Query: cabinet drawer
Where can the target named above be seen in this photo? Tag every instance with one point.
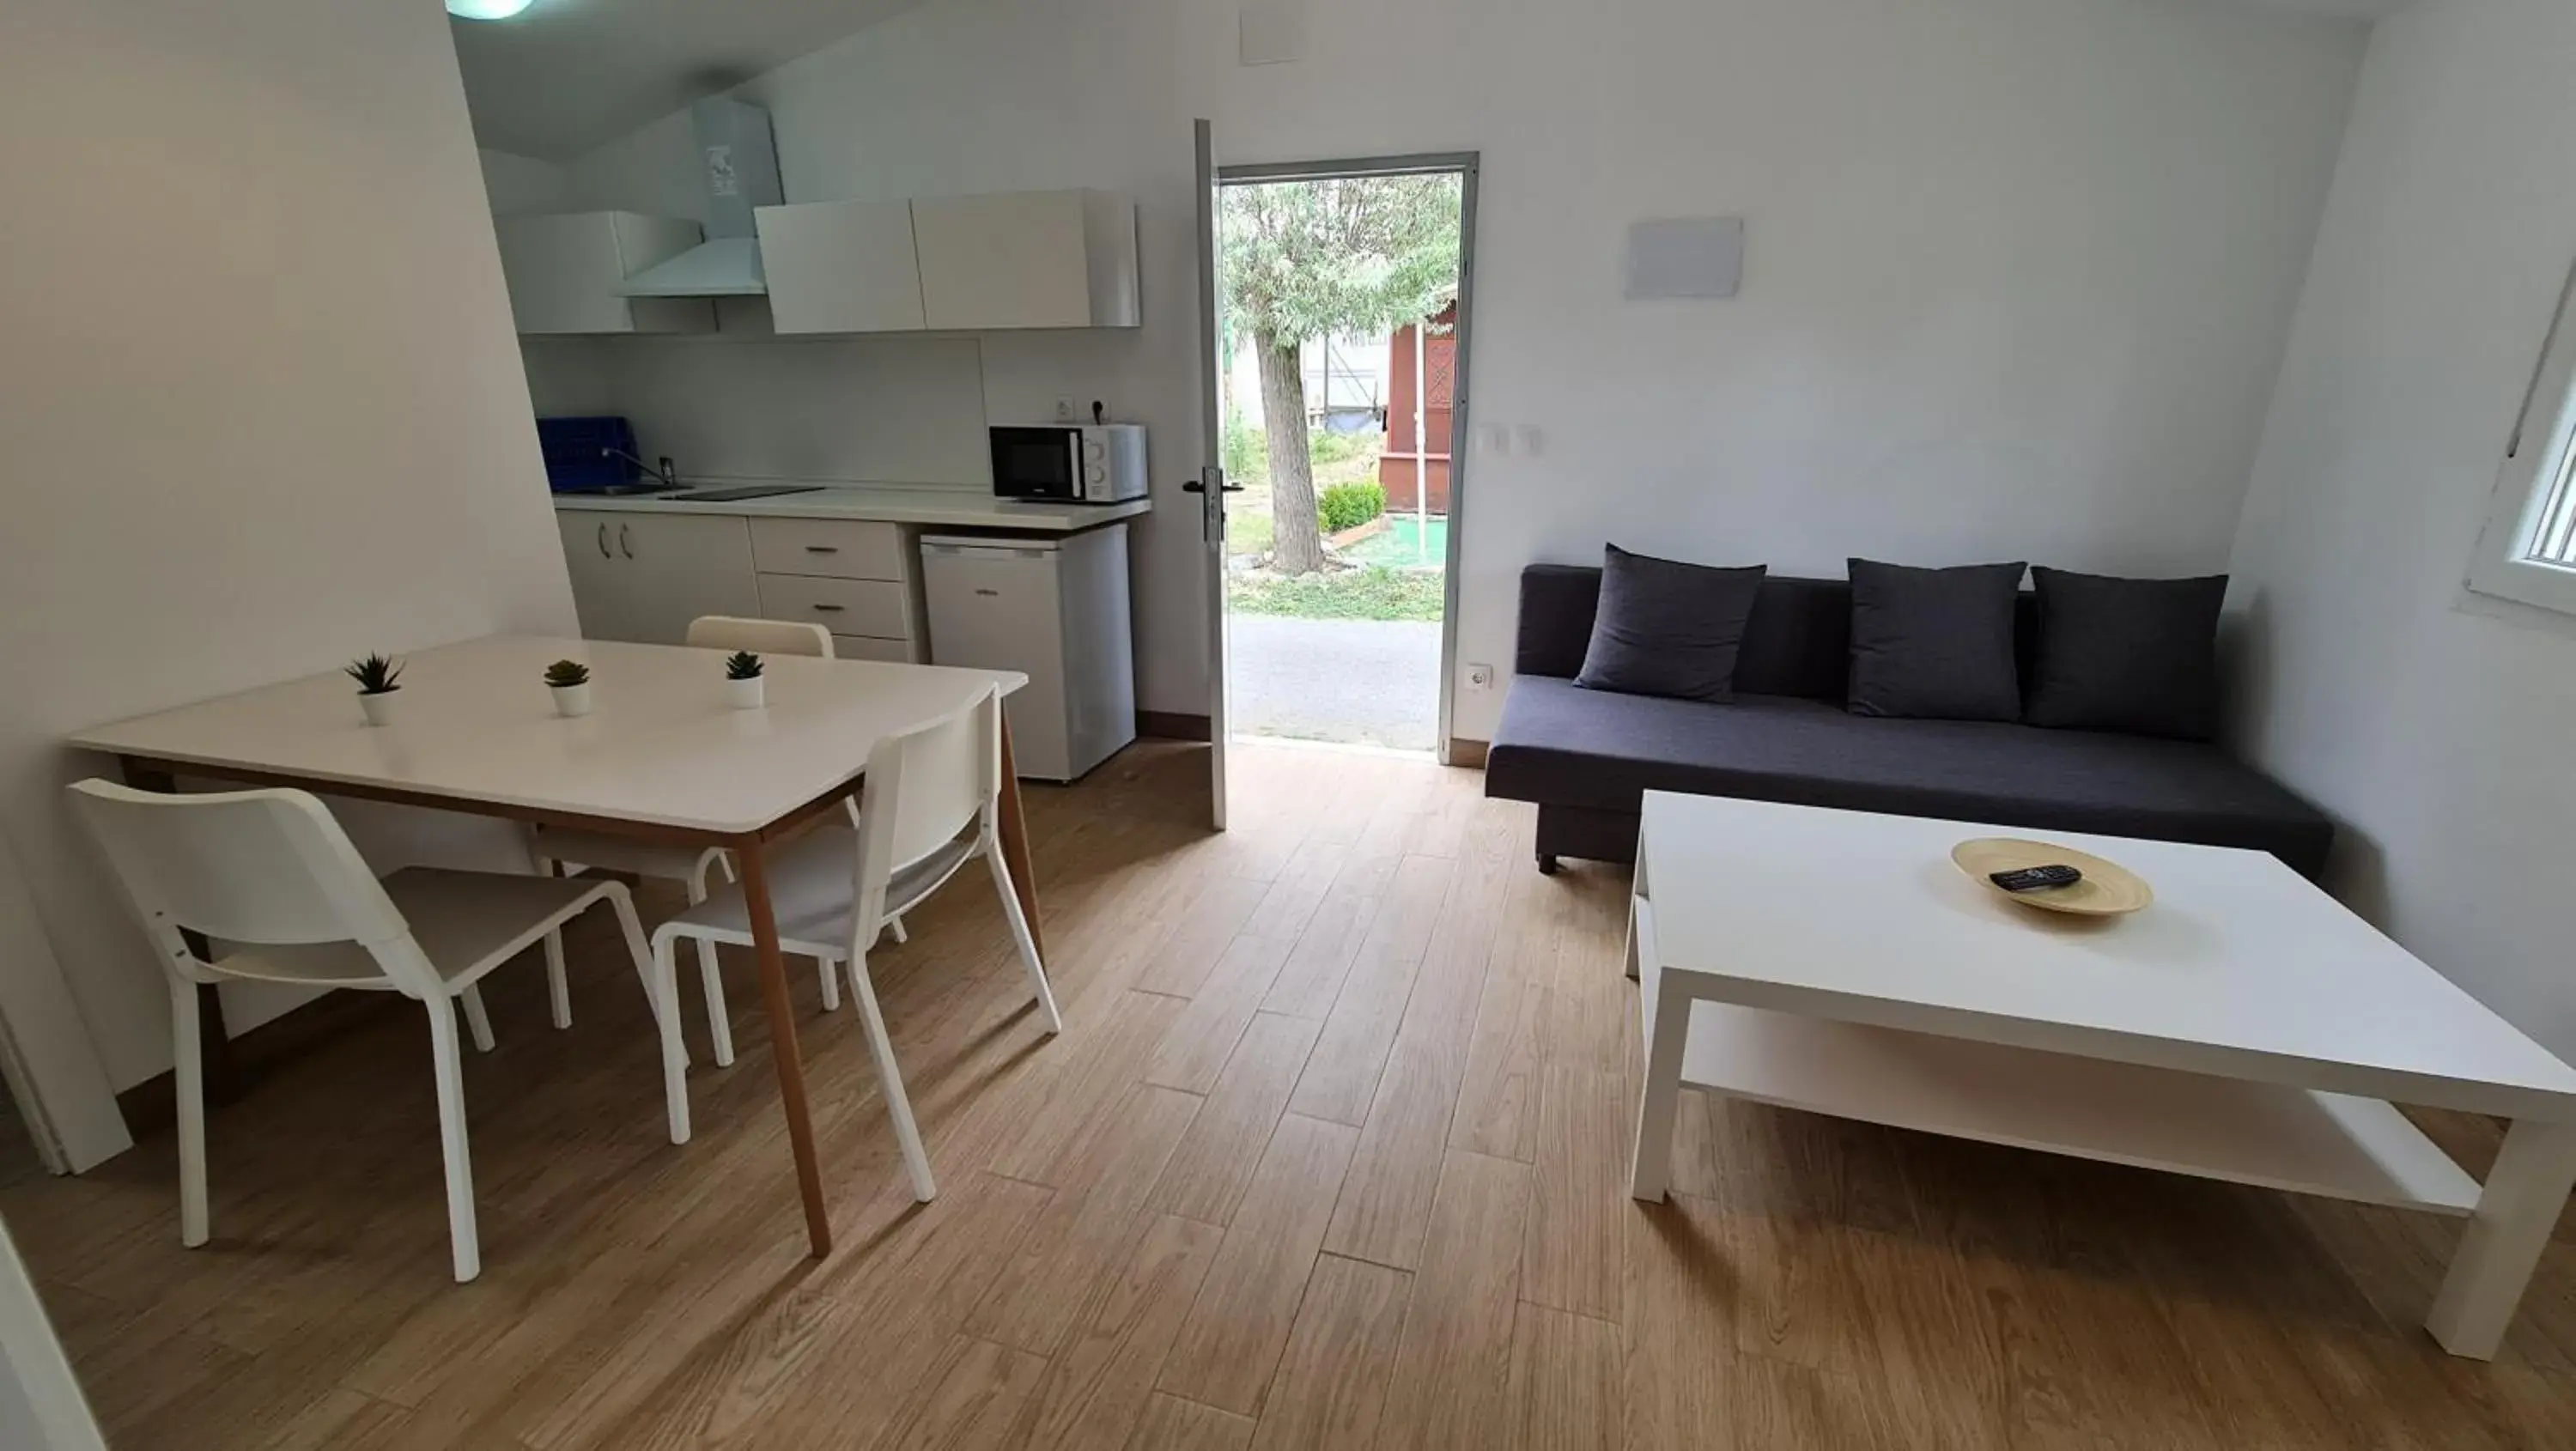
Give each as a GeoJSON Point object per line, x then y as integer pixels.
{"type": "Point", "coordinates": [843, 606]}
{"type": "Point", "coordinates": [865, 647]}
{"type": "Point", "coordinates": [841, 548]}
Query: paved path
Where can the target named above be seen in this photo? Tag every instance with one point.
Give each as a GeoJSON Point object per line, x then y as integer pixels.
{"type": "Point", "coordinates": [1373, 681]}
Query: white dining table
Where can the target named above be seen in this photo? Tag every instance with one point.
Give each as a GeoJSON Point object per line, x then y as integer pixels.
{"type": "Point", "coordinates": [663, 757]}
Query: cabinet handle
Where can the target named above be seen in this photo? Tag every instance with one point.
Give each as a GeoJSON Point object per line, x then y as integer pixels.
{"type": "Point", "coordinates": [822, 549]}
{"type": "Point", "coordinates": [829, 609]}
{"type": "Point", "coordinates": [625, 545]}
{"type": "Point", "coordinates": [603, 540]}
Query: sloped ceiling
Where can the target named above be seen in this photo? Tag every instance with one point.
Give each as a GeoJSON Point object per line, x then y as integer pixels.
{"type": "Point", "coordinates": [2356, 9]}
{"type": "Point", "coordinates": [564, 76]}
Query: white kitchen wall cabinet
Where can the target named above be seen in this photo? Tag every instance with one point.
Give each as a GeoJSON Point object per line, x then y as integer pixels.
{"type": "Point", "coordinates": [564, 270]}
{"type": "Point", "coordinates": [643, 577]}
{"type": "Point", "coordinates": [841, 267]}
{"type": "Point", "coordinates": [1035, 259]}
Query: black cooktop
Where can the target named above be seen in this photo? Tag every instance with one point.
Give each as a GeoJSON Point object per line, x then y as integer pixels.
{"type": "Point", "coordinates": [747, 491]}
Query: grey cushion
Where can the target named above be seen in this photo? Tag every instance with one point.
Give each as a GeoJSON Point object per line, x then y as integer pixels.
{"type": "Point", "coordinates": [1667, 628]}
{"type": "Point", "coordinates": [1561, 746]}
{"type": "Point", "coordinates": [2136, 655]}
{"type": "Point", "coordinates": [1798, 641]}
{"type": "Point", "coordinates": [1934, 644]}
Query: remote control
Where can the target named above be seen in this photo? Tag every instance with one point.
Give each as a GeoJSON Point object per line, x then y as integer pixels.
{"type": "Point", "coordinates": [2034, 879]}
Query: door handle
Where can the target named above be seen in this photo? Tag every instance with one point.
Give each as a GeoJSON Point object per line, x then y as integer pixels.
{"type": "Point", "coordinates": [603, 541]}
{"type": "Point", "coordinates": [625, 544]}
{"type": "Point", "coordinates": [1196, 487]}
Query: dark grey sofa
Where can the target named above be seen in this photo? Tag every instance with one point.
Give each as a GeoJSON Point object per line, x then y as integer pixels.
{"type": "Point", "coordinates": [1586, 757]}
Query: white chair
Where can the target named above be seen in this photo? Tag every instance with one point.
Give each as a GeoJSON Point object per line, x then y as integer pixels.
{"type": "Point", "coordinates": [270, 877]}
{"type": "Point", "coordinates": [689, 866]}
{"type": "Point", "coordinates": [928, 808]}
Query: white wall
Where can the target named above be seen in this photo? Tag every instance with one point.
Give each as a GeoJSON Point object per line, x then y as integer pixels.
{"type": "Point", "coordinates": [2433, 722]}
{"type": "Point", "coordinates": [259, 402]}
{"type": "Point", "coordinates": [2019, 279]}
{"type": "Point", "coordinates": [906, 411]}
{"type": "Point", "coordinates": [520, 185]}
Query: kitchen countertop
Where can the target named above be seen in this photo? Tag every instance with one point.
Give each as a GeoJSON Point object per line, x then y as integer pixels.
{"type": "Point", "coordinates": [945, 508]}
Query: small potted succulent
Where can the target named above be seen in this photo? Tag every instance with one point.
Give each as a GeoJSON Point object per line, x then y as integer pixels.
{"type": "Point", "coordinates": [743, 685]}
{"type": "Point", "coordinates": [570, 682]}
{"type": "Point", "coordinates": [378, 679]}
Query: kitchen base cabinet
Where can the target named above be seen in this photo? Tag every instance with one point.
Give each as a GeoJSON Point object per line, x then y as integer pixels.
{"type": "Point", "coordinates": [856, 578]}
{"type": "Point", "coordinates": [644, 577]}
{"type": "Point", "coordinates": [600, 580]}
{"type": "Point", "coordinates": [868, 647]}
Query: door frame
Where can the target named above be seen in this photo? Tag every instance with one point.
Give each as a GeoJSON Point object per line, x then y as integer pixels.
{"type": "Point", "coordinates": [1468, 165]}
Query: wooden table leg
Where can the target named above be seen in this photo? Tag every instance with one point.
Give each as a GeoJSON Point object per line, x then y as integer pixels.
{"type": "Point", "coordinates": [1015, 845]}
{"type": "Point", "coordinates": [219, 1070]}
{"type": "Point", "coordinates": [782, 1034]}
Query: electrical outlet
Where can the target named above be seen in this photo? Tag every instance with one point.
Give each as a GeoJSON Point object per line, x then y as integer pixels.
{"type": "Point", "coordinates": [1480, 677]}
{"type": "Point", "coordinates": [1064, 410]}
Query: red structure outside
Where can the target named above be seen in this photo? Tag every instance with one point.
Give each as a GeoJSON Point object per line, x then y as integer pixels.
{"type": "Point", "coordinates": [1398, 468]}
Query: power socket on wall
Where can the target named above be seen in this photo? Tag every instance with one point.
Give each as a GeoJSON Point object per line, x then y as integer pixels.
{"type": "Point", "coordinates": [1480, 677]}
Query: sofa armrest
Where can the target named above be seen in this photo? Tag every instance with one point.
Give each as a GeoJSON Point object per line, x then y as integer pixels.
{"type": "Point", "coordinates": [1557, 605]}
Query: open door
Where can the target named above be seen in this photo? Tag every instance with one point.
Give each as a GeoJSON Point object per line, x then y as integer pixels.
{"type": "Point", "coordinates": [1210, 485]}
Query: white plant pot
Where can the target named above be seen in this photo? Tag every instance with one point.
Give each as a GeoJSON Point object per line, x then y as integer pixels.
{"type": "Point", "coordinates": [747, 694]}
{"type": "Point", "coordinates": [571, 700]}
{"type": "Point", "coordinates": [381, 708]}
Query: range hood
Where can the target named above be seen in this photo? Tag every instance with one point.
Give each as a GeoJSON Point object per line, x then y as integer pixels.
{"type": "Point", "coordinates": [741, 172]}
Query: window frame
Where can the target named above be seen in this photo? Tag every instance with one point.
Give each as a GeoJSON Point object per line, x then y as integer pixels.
{"type": "Point", "coordinates": [2535, 490]}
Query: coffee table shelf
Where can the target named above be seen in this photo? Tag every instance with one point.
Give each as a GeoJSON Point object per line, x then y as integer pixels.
{"type": "Point", "coordinates": [2268, 1135]}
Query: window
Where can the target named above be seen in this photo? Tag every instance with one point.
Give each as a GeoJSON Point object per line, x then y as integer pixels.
{"type": "Point", "coordinates": [2528, 551]}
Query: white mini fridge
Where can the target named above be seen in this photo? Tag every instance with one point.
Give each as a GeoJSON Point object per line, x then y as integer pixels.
{"type": "Point", "coordinates": [1054, 609]}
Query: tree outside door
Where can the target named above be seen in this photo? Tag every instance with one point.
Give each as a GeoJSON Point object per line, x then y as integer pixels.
{"type": "Point", "coordinates": [1313, 259]}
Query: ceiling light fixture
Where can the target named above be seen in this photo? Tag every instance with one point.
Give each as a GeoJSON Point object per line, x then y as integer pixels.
{"type": "Point", "coordinates": [485, 9]}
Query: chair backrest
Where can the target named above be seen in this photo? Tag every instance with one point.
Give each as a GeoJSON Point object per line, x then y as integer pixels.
{"type": "Point", "coordinates": [924, 787]}
{"type": "Point", "coordinates": [761, 637]}
{"type": "Point", "coordinates": [254, 867]}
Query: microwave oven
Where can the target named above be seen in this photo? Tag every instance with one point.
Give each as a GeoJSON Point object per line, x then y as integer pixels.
{"type": "Point", "coordinates": [1064, 463]}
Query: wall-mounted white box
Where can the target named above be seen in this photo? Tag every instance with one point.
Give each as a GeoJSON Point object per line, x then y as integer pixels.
{"type": "Point", "coordinates": [1684, 258]}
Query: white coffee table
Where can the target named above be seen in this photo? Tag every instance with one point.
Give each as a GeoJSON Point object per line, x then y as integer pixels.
{"type": "Point", "coordinates": [2245, 1027]}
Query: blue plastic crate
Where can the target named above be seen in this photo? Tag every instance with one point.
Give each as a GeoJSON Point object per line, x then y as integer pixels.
{"type": "Point", "coordinates": [574, 460]}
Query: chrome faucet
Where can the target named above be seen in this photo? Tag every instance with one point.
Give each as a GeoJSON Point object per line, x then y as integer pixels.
{"type": "Point", "coordinates": [668, 473]}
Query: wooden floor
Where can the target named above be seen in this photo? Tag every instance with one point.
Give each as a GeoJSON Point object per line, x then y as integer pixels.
{"type": "Point", "coordinates": [1330, 1154]}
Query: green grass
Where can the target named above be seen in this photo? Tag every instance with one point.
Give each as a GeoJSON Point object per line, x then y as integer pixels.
{"type": "Point", "coordinates": [1335, 457]}
{"type": "Point", "coordinates": [1349, 594]}
{"type": "Point", "coordinates": [1400, 547]}
{"type": "Point", "coordinates": [1248, 529]}
{"type": "Point", "coordinates": [1326, 449]}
